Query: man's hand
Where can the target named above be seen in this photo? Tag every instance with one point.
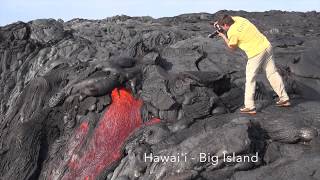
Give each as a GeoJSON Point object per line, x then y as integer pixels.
{"type": "Point", "coordinates": [226, 40]}
{"type": "Point", "coordinates": [221, 34]}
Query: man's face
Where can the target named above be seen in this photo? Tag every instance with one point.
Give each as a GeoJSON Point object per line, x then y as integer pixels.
{"type": "Point", "coordinates": [225, 27]}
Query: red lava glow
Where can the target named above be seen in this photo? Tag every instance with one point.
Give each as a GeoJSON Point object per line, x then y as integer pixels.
{"type": "Point", "coordinates": [104, 148]}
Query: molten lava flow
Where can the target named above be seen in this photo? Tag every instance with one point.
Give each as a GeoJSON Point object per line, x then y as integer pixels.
{"type": "Point", "coordinates": [73, 145]}
{"type": "Point", "coordinates": [122, 117]}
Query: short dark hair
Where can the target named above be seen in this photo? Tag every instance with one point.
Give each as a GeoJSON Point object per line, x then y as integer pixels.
{"type": "Point", "coordinates": [225, 19]}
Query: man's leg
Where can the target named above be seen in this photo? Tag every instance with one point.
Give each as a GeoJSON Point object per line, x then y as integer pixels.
{"type": "Point", "coordinates": [274, 77]}
{"type": "Point", "coordinates": [252, 69]}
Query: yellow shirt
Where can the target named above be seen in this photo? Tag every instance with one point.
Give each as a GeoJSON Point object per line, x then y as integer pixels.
{"type": "Point", "coordinates": [248, 38]}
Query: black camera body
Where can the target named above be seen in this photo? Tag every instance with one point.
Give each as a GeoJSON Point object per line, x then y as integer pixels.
{"type": "Point", "coordinates": [218, 29]}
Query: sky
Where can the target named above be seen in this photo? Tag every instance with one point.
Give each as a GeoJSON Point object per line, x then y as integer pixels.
{"type": "Point", "coordinates": [27, 10]}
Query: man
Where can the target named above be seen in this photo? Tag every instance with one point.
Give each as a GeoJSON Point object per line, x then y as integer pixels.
{"type": "Point", "coordinates": [243, 34]}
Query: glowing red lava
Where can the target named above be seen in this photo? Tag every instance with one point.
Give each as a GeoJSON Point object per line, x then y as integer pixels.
{"type": "Point", "coordinates": [104, 148]}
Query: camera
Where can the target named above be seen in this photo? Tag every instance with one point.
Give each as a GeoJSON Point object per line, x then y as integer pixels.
{"type": "Point", "coordinates": [216, 32]}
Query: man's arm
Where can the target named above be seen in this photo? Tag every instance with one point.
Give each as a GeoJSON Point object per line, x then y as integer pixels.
{"type": "Point", "coordinates": [226, 40]}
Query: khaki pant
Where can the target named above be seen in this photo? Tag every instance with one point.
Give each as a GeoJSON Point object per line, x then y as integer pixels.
{"type": "Point", "coordinates": [264, 60]}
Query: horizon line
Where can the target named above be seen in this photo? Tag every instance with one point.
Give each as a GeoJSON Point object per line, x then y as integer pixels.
{"type": "Point", "coordinates": [134, 16]}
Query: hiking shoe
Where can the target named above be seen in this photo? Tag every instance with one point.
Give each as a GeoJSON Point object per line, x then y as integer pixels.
{"type": "Point", "coordinates": [245, 110]}
{"type": "Point", "coordinates": [282, 103]}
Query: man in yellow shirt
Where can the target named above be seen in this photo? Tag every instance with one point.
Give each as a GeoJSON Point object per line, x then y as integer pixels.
{"type": "Point", "coordinates": [243, 34]}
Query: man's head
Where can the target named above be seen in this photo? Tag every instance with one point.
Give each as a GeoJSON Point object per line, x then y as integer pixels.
{"type": "Point", "coordinates": [225, 22]}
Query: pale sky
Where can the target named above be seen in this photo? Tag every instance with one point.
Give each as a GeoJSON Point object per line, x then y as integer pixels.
{"type": "Point", "coordinates": [26, 10]}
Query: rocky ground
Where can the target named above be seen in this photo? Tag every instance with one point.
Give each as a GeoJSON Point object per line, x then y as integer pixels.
{"type": "Point", "coordinates": [88, 99]}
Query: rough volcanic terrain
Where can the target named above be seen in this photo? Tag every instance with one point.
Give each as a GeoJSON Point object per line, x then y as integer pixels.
{"type": "Point", "coordinates": [90, 99]}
